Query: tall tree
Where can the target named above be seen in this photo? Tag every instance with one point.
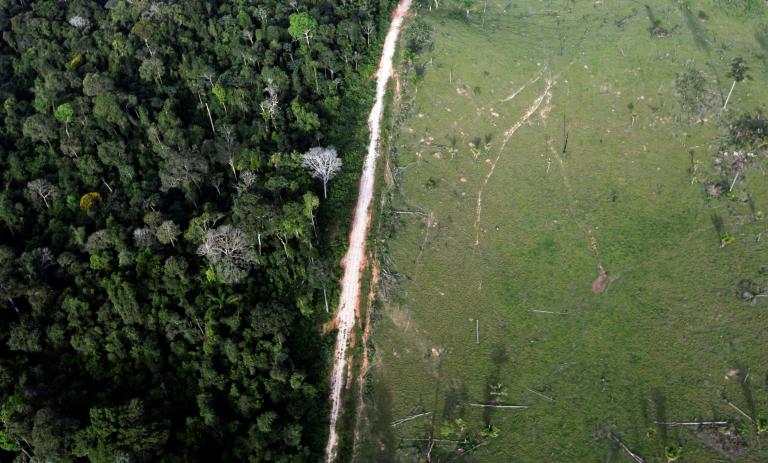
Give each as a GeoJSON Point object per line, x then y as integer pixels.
{"type": "Point", "coordinates": [323, 163]}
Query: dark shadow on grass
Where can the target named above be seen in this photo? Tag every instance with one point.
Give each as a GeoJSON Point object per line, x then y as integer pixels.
{"type": "Point", "coordinates": [717, 223]}
{"type": "Point", "coordinates": [746, 389]}
{"type": "Point", "coordinates": [697, 29]}
{"type": "Point", "coordinates": [499, 357]}
{"type": "Point", "coordinates": [455, 397]}
{"type": "Point", "coordinates": [761, 37]}
{"type": "Point", "coordinates": [378, 443]}
{"type": "Point", "coordinates": [660, 409]}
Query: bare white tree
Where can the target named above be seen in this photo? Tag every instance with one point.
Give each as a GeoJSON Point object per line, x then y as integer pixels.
{"type": "Point", "coordinates": [229, 252]}
{"type": "Point", "coordinates": [247, 179]}
{"type": "Point", "coordinates": [42, 189]}
{"type": "Point", "coordinates": [262, 14]}
{"type": "Point", "coordinates": [270, 106]}
{"type": "Point", "coordinates": [368, 29]}
{"type": "Point", "coordinates": [143, 237]}
{"type": "Point", "coordinates": [78, 22]}
{"type": "Point", "coordinates": [323, 163]}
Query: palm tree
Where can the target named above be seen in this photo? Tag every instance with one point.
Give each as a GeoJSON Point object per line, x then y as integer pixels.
{"type": "Point", "coordinates": [672, 453]}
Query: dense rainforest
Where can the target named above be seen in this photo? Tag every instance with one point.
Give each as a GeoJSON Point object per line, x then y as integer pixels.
{"type": "Point", "coordinates": [164, 252]}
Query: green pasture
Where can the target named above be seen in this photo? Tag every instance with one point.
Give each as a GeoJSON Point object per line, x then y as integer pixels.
{"type": "Point", "coordinates": [671, 338]}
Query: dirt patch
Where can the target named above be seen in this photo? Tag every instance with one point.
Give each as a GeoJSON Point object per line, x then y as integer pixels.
{"type": "Point", "coordinates": [398, 94]}
{"type": "Point", "coordinates": [329, 326]}
{"type": "Point", "coordinates": [726, 441]}
{"type": "Point", "coordinates": [599, 285]}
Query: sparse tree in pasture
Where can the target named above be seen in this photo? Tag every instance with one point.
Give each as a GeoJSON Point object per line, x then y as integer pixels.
{"type": "Point", "coordinates": [738, 73]}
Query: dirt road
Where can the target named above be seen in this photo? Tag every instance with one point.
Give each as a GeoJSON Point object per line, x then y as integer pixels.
{"type": "Point", "coordinates": [354, 260]}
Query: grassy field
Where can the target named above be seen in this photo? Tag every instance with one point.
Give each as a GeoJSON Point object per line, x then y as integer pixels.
{"type": "Point", "coordinates": [486, 111]}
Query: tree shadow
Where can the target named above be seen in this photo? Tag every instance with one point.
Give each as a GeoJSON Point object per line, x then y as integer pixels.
{"type": "Point", "coordinates": [456, 396]}
{"type": "Point", "coordinates": [499, 357]}
{"type": "Point", "coordinates": [761, 37]}
{"type": "Point", "coordinates": [717, 223]}
{"type": "Point", "coordinates": [746, 389]}
{"type": "Point", "coordinates": [660, 409]}
{"type": "Point", "coordinates": [697, 30]}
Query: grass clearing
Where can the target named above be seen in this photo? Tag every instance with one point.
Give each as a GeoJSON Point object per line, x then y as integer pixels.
{"type": "Point", "coordinates": [667, 337]}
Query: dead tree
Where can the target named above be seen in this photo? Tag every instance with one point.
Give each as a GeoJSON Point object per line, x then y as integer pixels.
{"type": "Point", "coordinates": [229, 252]}
{"type": "Point", "coordinates": [42, 189]}
{"type": "Point", "coordinates": [323, 163]}
{"type": "Point", "coordinates": [271, 105]}
{"type": "Point", "coordinates": [368, 29]}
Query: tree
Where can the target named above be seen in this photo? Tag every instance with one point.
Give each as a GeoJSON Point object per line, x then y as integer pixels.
{"type": "Point", "coordinates": [167, 232]}
{"type": "Point", "coordinates": [143, 237]}
{"type": "Point", "coordinates": [64, 114]}
{"type": "Point", "coordinates": [303, 26]}
{"type": "Point", "coordinates": [121, 433]}
{"type": "Point", "coordinates": [183, 170]}
{"type": "Point", "coordinates": [78, 22]}
{"type": "Point", "coordinates": [229, 252]}
{"type": "Point", "coordinates": [42, 189]}
{"type": "Point", "coordinates": [672, 453]}
{"type": "Point", "coordinates": [368, 29]}
{"type": "Point", "coordinates": [8, 212]}
{"type": "Point", "coordinates": [88, 200]}
{"type": "Point", "coordinates": [221, 94]}
{"type": "Point", "coordinates": [152, 69]}
{"type": "Point", "coordinates": [96, 84]}
{"type": "Point", "coordinates": [323, 163]}
{"type": "Point", "coordinates": [738, 73]}
{"type": "Point", "coordinates": [39, 128]}
{"type": "Point", "coordinates": [271, 105]}
{"type": "Point", "coordinates": [467, 6]}
{"type": "Point", "coordinates": [106, 108]}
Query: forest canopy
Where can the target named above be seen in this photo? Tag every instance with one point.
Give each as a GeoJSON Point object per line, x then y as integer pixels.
{"type": "Point", "coordinates": [163, 265]}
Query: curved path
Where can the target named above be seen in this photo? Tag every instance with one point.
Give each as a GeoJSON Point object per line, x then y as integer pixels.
{"type": "Point", "coordinates": [354, 261]}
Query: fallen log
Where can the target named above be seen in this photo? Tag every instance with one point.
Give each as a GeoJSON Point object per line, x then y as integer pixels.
{"type": "Point", "coordinates": [498, 406]}
{"type": "Point", "coordinates": [637, 458]}
{"type": "Point", "coordinates": [690, 423]}
{"type": "Point", "coordinates": [409, 418]}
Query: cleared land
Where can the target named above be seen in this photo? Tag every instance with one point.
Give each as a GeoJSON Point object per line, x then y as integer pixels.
{"type": "Point", "coordinates": [608, 278]}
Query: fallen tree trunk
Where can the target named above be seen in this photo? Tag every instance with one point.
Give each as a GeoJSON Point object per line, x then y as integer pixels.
{"type": "Point", "coordinates": [637, 458]}
{"type": "Point", "coordinates": [409, 418]}
{"type": "Point", "coordinates": [690, 423]}
{"type": "Point", "coordinates": [498, 406]}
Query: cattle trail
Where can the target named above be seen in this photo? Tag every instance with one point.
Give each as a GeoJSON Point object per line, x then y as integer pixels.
{"type": "Point", "coordinates": [545, 95]}
{"type": "Point", "coordinates": [601, 282]}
